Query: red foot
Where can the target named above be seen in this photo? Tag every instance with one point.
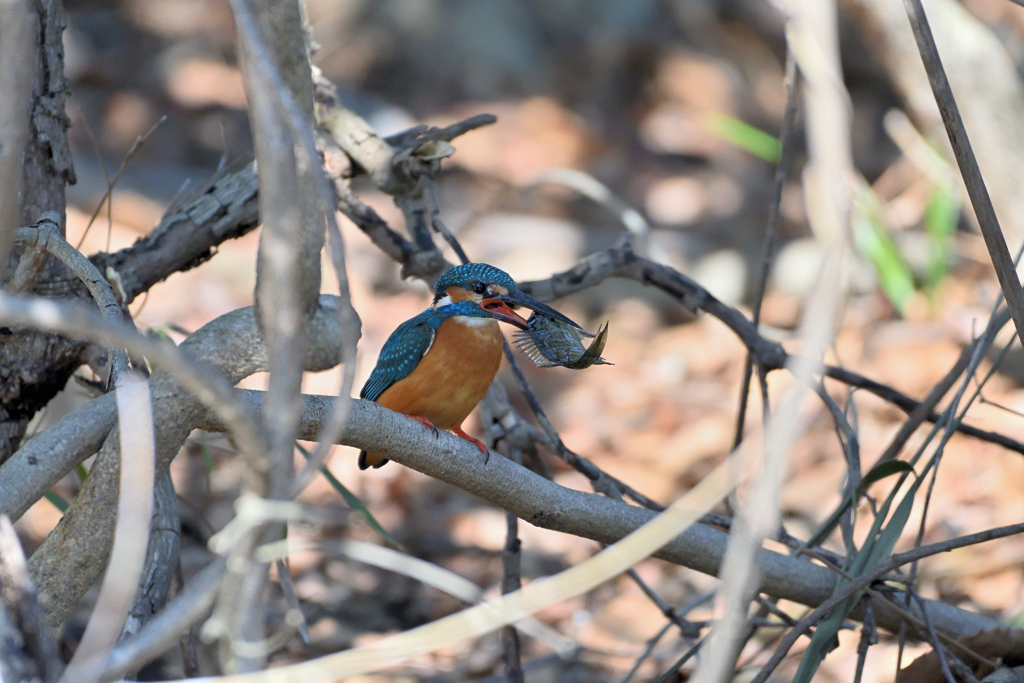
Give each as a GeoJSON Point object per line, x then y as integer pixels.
{"type": "Point", "coordinates": [477, 442]}
{"type": "Point", "coordinates": [425, 421]}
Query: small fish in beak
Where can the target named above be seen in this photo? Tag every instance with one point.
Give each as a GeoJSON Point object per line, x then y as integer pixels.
{"type": "Point", "coordinates": [549, 342]}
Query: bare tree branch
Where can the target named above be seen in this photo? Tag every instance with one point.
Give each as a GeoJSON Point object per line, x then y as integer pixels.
{"type": "Point", "coordinates": [46, 238]}
{"type": "Point", "coordinates": [47, 165]}
{"type": "Point", "coordinates": [232, 346]}
{"type": "Point", "coordinates": [210, 387]}
{"type": "Point", "coordinates": [856, 584]}
{"type": "Point", "coordinates": [47, 457]}
{"type": "Point", "coordinates": [402, 166]}
{"type": "Point", "coordinates": [183, 239]}
{"type": "Point", "coordinates": [771, 226]}
{"type": "Point", "coordinates": [548, 505]}
{"type": "Point", "coordinates": [280, 92]}
{"type": "Point", "coordinates": [134, 512]}
{"type": "Point", "coordinates": [193, 603]}
{"type": "Point", "coordinates": [813, 39]}
{"type": "Point", "coordinates": [295, 200]}
{"type": "Point", "coordinates": [620, 261]}
{"type": "Point", "coordinates": [45, 161]}
{"type": "Point", "coordinates": [161, 558]}
{"type": "Point", "coordinates": [18, 55]}
{"type": "Point", "coordinates": [27, 648]}
{"type": "Point", "coordinates": [338, 169]}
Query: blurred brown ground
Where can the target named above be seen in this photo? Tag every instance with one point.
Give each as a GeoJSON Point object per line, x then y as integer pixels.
{"type": "Point", "coordinates": [619, 90]}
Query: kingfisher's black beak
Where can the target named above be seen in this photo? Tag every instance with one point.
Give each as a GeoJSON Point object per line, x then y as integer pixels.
{"type": "Point", "coordinates": [526, 301]}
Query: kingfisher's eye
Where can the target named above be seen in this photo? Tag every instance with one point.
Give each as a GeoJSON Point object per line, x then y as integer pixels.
{"type": "Point", "coordinates": [478, 287]}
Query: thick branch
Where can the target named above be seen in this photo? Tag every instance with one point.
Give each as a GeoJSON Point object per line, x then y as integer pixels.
{"type": "Point", "coordinates": [47, 161]}
{"type": "Point", "coordinates": [161, 558]}
{"type": "Point", "coordinates": [548, 505]}
{"type": "Point", "coordinates": [185, 238]}
{"type": "Point", "coordinates": [35, 365]}
{"type": "Point", "coordinates": [278, 83]}
{"type": "Point", "coordinates": [74, 554]}
{"type": "Point", "coordinates": [18, 55]}
{"type": "Point", "coordinates": [272, 48]}
{"type": "Point", "coordinates": [44, 164]}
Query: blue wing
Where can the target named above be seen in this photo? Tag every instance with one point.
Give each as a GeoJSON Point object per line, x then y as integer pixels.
{"type": "Point", "coordinates": [401, 354]}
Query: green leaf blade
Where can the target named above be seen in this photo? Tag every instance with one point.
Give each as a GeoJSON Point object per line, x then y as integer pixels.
{"type": "Point", "coordinates": [752, 140]}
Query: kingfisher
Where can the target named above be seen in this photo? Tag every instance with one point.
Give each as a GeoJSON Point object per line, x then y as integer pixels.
{"type": "Point", "coordinates": [437, 366]}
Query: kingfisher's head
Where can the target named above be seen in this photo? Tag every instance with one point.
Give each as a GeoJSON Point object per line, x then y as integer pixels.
{"type": "Point", "coordinates": [490, 288]}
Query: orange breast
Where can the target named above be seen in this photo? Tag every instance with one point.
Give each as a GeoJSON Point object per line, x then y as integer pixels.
{"type": "Point", "coordinates": [452, 377]}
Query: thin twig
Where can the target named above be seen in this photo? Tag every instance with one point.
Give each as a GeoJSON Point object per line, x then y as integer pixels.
{"type": "Point", "coordinates": [932, 635]}
{"type": "Point", "coordinates": [189, 606]}
{"type": "Point", "coordinates": [771, 608]}
{"type": "Point", "coordinates": [855, 585]}
{"type": "Point", "coordinates": [868, 637]}
{"type": "Point", "coordinates": [969, 170]}
{"type": "Point", "coordinates": [926, 407]}
{"type": "Point", "coordinates": [908, 404]}
{"type": "Point", "coordinates": [978, 349]}
{"type": "Point", "coordinates": [652, 642]}
{"type": "Point", "coordinates": [671, 671]}
{"type": "Point", "coordinates": [112, 182]}
{"type": "Point", "coordinates": [511, 581]}
{"type": "Point", "coordinates": [771, 226]}
{"type": "Point", "coordinates": [687, 628]}
{"type": "Point", "coordinates": [621, 262]}
{"type": "Point", "coordinates": [45, 237]}
{"type": "Point", "coordinates": [418, 135]}
{"type": "Point", "coordinates": [364, 216]}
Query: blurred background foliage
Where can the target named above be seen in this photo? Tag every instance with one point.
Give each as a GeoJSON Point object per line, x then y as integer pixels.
{"type": "Point", "coordinates": [675, 105]}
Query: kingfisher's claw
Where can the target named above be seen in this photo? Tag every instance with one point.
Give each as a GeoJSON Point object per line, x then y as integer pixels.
{"type": "Point", "coordinates": [476, 442]}
{"type": "Point", "coordinates": [425, 421]}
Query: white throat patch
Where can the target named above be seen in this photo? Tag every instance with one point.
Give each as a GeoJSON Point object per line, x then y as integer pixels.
{"type": "Point", "coordinates": [470, 321]}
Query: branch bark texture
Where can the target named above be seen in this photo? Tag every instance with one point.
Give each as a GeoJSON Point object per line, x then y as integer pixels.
{"type": "Point", "coordinates": [35, 365]}
{"type": "Point", "coordinates": [545, 504]}
{"type": "Point", "coordinates": [18, 55]}
{"type": "Point", "coordinates": [74, 554]}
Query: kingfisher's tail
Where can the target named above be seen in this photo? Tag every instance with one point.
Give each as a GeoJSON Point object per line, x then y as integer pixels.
{"type": "Point", "coordinates": [367, 460]}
